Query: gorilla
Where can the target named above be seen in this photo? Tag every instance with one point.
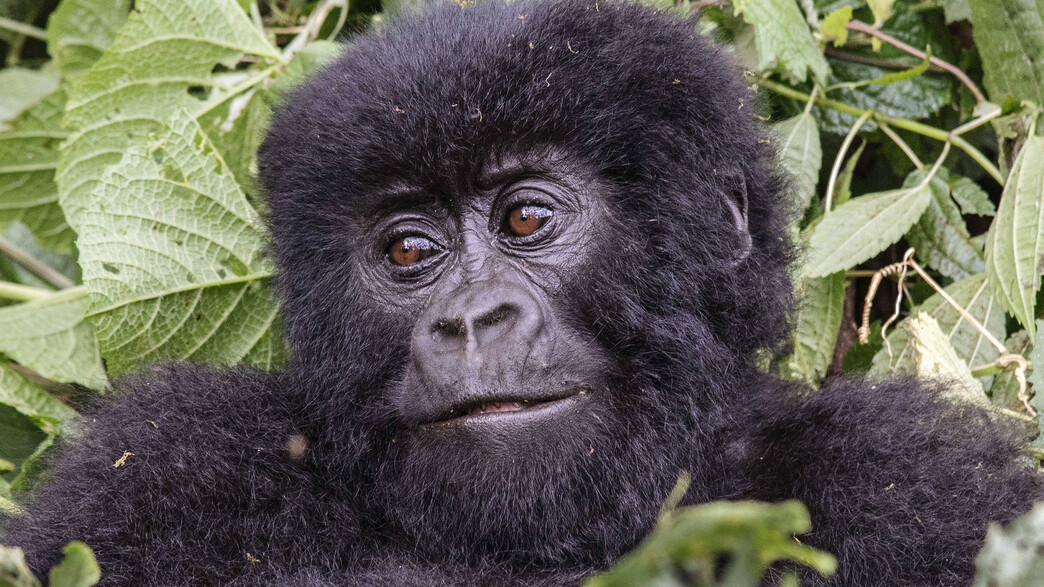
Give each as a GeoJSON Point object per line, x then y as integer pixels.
{"type": "Point", "coordinates": [529, 254]}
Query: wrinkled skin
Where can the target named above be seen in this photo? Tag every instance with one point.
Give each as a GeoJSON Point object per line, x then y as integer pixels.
{"type": "Point", "coordinates": [527, 255]}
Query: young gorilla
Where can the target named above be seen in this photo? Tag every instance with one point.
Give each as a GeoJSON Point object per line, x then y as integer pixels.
{"type": "Point", "coordinates": [528, 253]}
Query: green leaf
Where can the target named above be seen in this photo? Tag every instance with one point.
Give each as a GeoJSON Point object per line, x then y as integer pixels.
{"type": "Point", "coordinates": [862, 227]}
{"type": "Point", "coordinates": [77, 569]}
{"type": "Point", "coordinates": [13, 570]}
{"type": "Point", "coordinates": [748, 535]}
{"type": "Point", "coordinates": [79, 30]}
{"type": "Point", "coordinates": [822, 301]}
{"type": "Point", "coordinates": [168, 57]}
{"type": "Point", "coordinates": [783, 39]}
{"type": "Point", "coordinates": [1010, 37]}
{"type": "Point", "coordinates": [50, 337]}
{"type": "Point", "coordinates": [22, 88]}
{"type": "Point", "coordinates": [28, 158]}
{"type": "Point", "coordinates": [835, 23]}
{"type": "Point", "coordinates": [20, 437]}
{"type": "Point", "coordinates": [1015, 246]}
{"type": "Point", "coordinates": [956, 10]}
{"type": "Point", "coordinates": [936, 359]}
{"type": "Point", "coordinates": [974, 295]}
{"type": "Point", "coordinates": [941, 236]}
{"type": "Point", "coordinates": [1005, 389]}
{"type": "Point", "coordinates": [801, 155]}
{"type": "Point", "coordinates": [1036, 374]}
{"type": "Point", "coordinates": [971, 198]}
{"type": "Point", "coordinates": [186, 276]}
{"type": "Point", "coordinates": [45, 411]}
{"type": "Point", "coordinates": [1013, 555]}
{"type": "Point", "coordinates": [882, 10]}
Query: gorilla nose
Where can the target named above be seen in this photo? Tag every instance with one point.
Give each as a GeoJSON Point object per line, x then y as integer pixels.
{"type": "Point", "coordinates": [481, 318]}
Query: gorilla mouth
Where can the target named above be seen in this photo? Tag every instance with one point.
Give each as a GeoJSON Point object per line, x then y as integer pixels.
{"type": "Point", "coordinates": [499, 408]}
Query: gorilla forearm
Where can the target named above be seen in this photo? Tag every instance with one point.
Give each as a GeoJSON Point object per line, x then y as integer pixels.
{"type": "Point", "coordinates": [900, 483]}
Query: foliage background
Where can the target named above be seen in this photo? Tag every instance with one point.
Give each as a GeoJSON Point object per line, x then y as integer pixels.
{"type": "Point", "coordinates": [129, 225]}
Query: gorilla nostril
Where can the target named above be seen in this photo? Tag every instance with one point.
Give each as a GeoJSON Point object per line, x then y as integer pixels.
{"type": "Point", "coordinates": [453, 328]}
{"type": "Point", "coordinates": [499, 314]}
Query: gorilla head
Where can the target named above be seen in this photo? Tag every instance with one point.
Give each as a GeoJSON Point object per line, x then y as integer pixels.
{"type": "Point", "coordinates": [527, 252]}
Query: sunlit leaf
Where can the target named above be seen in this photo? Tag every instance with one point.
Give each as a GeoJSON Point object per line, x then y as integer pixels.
{"type": "Point", "coordinates": [1013, 555]}
{"type": "Point", "coordinates": [941, 236]}
{"type": "Point", "coordinates": [862, 227]}
{"type": "Point", "coordinates": [783, 38]}
{"type": "Point", "coordinates": [1009, 35]}
{"type": "Point", "coordinates": [79, 30]}
{"type": "Point", "coordinates": [747, 536]}
{"type": "Point", "coordinates": [935, 359]}
{"type": "Point", "coordinates": [173, 258]}
{"type": "Point", "coordinates": [50, 337]}
{"type": "Point", "coordinates": [168, 57]}
{"type": "Point", "coordinates": [77, 569]}
{"type": "Point", "coordinates": [28, 158]}
{"type": "Point", "coordinates": [821, 307]}
{"type": "Point", "coordinates": [974, 295]}
{"type": "Point", "coordinates": [1015, 246]}
{"type": "Point", "coordinates": [800, 155]}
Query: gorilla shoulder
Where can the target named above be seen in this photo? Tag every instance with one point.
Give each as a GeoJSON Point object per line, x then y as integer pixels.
{"type": "Point", "coordinates": [183, 462]}
{"type": "Point", "coordinates": [891, 472]}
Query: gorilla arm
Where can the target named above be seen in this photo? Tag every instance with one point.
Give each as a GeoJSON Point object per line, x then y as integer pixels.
{"type": "Point", "coordinates": [900, 482]}
{"type": "Point", "coordinates": [184, 478]}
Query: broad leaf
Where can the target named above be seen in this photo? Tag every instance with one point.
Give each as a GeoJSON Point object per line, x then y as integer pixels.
{"type": "Point", "coordinates": [22, 88]}
{"type": "Point", "coordinates": [14, 572]}
{"type": "Point", "coordinates": [1013, 555]}
{"type": "Point", "coordinates": [173, 258]}
{"type": "Point", "coordinates": [941, 236]}
{"type": "Point", "coordinates": [974, 295]}
{"type": "Point", "coordinates": [1010, 37]}
{"type": "Point", "coordinates": [45, 411]}
{"type": "Point", "coordinates": [50, 337]}
{"type": "Point", "coordinates": [162, 61]}
{"type": "Point", "coordinates": [956, 10]}
{"type": "Point", "coordinates": [822, 301]}
{"type": "Point", "coordinates": [936, 359]}
{"type": "Point", "coordinates": [1005, 389]}
{"type": "Point", "coordinates": [21, 436]}
{"type": "Point", "coordinates": [783, 38]}
{"type": "Point", "coordinates": [28, 158]}
{"type": "Point", "coordinates": [801, 155]}
{"type": "Point", "coordinates": [77, 569]}
{"type": "Point", "coordinates": [862, 227]}
{"type": "Point", "coordinates": [1015, 246]}
{"type": "Point", "coordinates": [721, 543]}
{"type": "Point", "coordinates": [971, 198]}
{"type": "Point", "coordinates": [79, 30]}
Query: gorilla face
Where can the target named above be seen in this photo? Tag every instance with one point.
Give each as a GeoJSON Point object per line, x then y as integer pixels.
{"type": "Point", "coordinates": [495, 363]}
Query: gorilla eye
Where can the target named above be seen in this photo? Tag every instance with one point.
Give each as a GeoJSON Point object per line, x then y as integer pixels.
{"type": "Point", "coordinates": [525, 220]}
{"type": "Point", "coordinates": [411, 250]}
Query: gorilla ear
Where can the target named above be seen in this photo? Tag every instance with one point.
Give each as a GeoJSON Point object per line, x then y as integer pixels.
{"type": "Point", "coordinates": [735, 196]}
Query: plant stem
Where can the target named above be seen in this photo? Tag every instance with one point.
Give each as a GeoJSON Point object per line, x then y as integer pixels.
{"type": "Point", "coordinates": [839, 160]}
{"type": "Point", "coordinates": [22, 293]}
{"type": "Point", "coordinates": [23, 29]}
{"type": "Point", "coordinates": [898, 140]}
{"type": "Point", "coordinates": [903, 123]}
{"type": "Point", "coordinates": [34, 265]}
{"type": "Point", "coordinates": [862, 27]}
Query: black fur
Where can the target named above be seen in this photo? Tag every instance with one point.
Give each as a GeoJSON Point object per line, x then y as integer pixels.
{"type": "Point", "coordinates": [900, 483]}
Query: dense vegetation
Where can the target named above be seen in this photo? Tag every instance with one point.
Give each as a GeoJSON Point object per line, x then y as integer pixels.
{"type": "Point", "coordinates": [129, 227]}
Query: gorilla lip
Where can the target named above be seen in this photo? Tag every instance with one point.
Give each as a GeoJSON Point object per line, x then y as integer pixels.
{"type": "Point", "coordinates": [495, 408]}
